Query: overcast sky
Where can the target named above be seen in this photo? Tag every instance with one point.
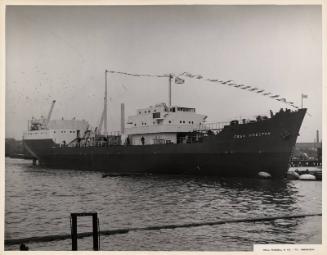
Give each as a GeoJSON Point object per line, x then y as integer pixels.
{"type": "Point", "coordinates": [61, 53]}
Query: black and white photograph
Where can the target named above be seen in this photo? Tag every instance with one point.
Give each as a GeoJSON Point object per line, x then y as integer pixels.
{"type": "Point", "coordinates": [163, 127]}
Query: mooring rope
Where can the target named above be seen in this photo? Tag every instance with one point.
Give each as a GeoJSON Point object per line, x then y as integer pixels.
{"type": "Point", "coordinates": [50, 238]}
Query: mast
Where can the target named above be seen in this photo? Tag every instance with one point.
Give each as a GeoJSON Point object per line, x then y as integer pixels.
{"type": "Point", "coordinates": [100, 123]}
{"type": "Point", "coordinates": [105, 110]}
{"type": "Point", "coordinates": [169, 90]}
{"type": "Point", "coordinates": [122, 118]}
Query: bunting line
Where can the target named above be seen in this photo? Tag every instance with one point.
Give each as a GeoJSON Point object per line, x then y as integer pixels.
{"type": "Point", "coordinates": [231, 83]}
{"type": "Point", "coordinates": [140, 75]}
{"type": "Point", "coordinates": [240, 86]}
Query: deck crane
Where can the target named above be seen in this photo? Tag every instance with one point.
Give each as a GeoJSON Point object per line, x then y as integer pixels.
{"type": "Point", "coordinates": [50, 113]}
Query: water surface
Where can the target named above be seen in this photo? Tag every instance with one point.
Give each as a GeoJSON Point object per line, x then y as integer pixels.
{"type": "Point", "coordinates": [39, 202]}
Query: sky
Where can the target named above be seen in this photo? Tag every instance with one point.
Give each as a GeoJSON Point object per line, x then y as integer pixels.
{"type": "Point", "coordinates": [61, 53]}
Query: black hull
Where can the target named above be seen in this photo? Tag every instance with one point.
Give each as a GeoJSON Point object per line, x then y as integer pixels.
{"type": "Point", "coordinates": [204, 164]}
{"type": "Point", "coordinates": [220, 154]}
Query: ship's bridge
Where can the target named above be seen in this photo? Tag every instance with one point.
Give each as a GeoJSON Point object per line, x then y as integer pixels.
{"type": "Point", "coordinates": [161, 123]}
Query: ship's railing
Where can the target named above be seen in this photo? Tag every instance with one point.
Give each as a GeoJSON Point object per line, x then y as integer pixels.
{"type": "Point", "coordinates": [113, 138]}
{"type": "Point", "coordinates": [114, 133]}
{"type": "Point", "coordinates": [194, 138]}
{"type": "Point", "coordinates": [218, 126]}
{"type": "Point", "coordinates": [195, 134]}
{"type": "Point", "coordinates": [176, 128]}
{"type": "Point", "coordinates": [161, 128]}
{"type": "Point", "coordinates": [94, 143]}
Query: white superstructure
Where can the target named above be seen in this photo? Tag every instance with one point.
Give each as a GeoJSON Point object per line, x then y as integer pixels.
{"type": "Point", "coordinates": [60, 131]}
{"type": "Point", "coordinates": [158, 124]}
{"type": "Point", "coordinates": [162, 124]}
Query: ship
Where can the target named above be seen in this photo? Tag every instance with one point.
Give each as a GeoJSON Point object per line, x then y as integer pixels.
{"type": "Point", "coordinates": [168, 139]}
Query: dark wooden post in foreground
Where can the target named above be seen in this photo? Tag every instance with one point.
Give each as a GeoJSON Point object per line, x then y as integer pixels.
{"type": "Point", "coordinates": [94, 227]}
{"type": "Point", "coordinates": [74, 231]}
{"type": "Point", "coordinates": [95, 232]}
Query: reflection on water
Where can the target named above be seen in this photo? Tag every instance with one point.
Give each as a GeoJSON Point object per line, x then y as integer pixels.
{"type": "Point", "coordinates": [39, 202]}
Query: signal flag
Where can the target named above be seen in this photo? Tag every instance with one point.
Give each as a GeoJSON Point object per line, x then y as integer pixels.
{"type": "Point", "coordinates": [179, 80]}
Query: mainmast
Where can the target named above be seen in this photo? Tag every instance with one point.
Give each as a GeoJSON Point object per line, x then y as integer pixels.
{"type": "Point", "coordinates": [105, 111]}
{"type": "Point", "coordinates": [169, 90]}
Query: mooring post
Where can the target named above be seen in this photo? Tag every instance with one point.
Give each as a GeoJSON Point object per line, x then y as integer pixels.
{"type": "Point", "coordinates": [94, 228]}
{"type": "Point", "coordinates": [95, 232]}
{"type": "Point", "coordinates": [74, 231]}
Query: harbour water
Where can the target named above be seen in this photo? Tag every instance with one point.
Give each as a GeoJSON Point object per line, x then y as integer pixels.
{"type": "Point", "coordinates": [39, 201]}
